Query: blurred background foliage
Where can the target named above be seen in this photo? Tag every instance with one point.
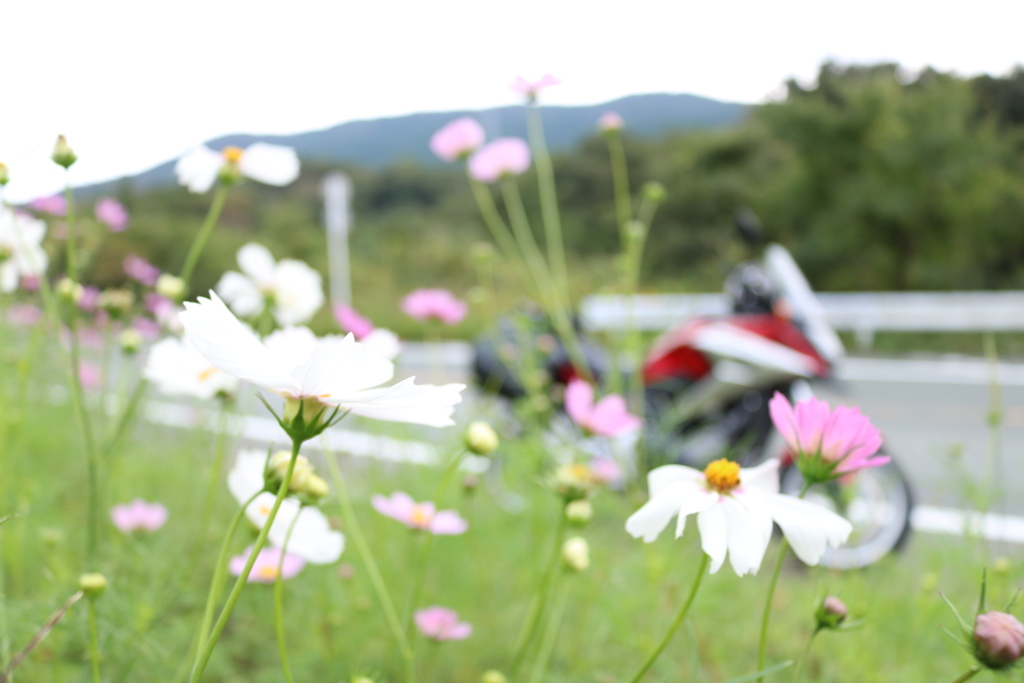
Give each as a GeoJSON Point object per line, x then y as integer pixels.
{"type": "Point", "coordinates": [875, 179]}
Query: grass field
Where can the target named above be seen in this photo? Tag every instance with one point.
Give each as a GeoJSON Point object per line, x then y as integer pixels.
{"type": "Point", "coordinates": [615, 612]}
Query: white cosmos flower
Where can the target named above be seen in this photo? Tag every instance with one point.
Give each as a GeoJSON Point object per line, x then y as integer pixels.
{"type": "Point", "coordinates": [179, 370]}
{"type": "Point", "coordinates": [294, 290]}
{"type": "Point", "coordinates": [312, 538]}
{"type": "Point", "coordinates": [198, 168]}
{"type": "Point", "coordinates": [735, 509]}
{"type": "Point", "coordinates": [383, 343]}
{"type": "Point", "coordinates": [334, 371]}
{"type": "Point", "coordinates": [21, 251]}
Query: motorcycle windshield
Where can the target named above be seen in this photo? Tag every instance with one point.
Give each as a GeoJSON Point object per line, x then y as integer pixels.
{"type": "Point", "coordinates": [805, 306]}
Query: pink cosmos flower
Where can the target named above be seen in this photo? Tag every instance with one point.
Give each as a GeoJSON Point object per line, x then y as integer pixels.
{"type": "Point", "coordinates": [141, 270]}
{"type": "Point", "coordinates": [149, 329]}
{"type": "Point", "coordinates": [439, 623]}
{"type": "Point", "coordinates": [90, 299]}
{"type": "Point", "coordinates": [30, 283]}
{"type": "Point", "coordinates": [25, 315]}
{"type": "Point", "coordinates": [610, 121]}
{"type": "Point", "coordinates": [1000, 638]}
{"type": "Point", "coordinates": [606, 470]}
{"type": "Point", "coordinates": [264, 569]}
{"type": "Point", "coordinates": [608, 417]}
{"type": "Point", "coordinates": [531, 88]}
{"type": "Point", "coordinates": [499, 159]}
{"type": "Point", "coordinates": [351, 321]}
{"type": "Point", "coordinates": [55, 205]}
{"type": "Point", "coordinates": [89, 375]}
{"type": "Point", "coordinates": [138, 515]}
{"type": "Point", "coordinates": [841, 437]}
{"type": "Point", "coordinates": [112, 213]}
{"type": "Point", "coordinates": [457, 139]}
{"type": "Point", "coordinates": [422, 516]}
{"type": "Point", "coordinates": [439, 304]}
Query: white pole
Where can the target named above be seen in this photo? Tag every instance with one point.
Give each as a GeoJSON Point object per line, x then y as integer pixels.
{"type": "Point", "coordinates": [337, 193]}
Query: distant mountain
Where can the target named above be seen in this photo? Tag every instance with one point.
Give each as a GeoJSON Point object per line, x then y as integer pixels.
{"type": "Point", "coordinates": [381, 142]}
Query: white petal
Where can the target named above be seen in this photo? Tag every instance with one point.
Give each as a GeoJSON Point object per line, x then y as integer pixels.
{"type": "Point", "coordinates": [760, 515]}
{"type": "Point", "coordinates": [246, 476]}
{"type": "Point", "coordinates": [298, 292]}
{"type": "Point", "coordinates": [178, 369]}
{"type": "Point", "coordinates": [256, 261]}
{"type": "Point", "coordinates": [660, 477]}
{"type": "Point", "coordinates": [218, 335]}
{"type": "Point", "coordinates": [714, 535]}
{"type": "Point", "coordinates": [681, 497]}
{"type": "Point", "coordinates": [295, 343]}
{"type": "Point", "coordinates": [382, 343]}
{"type": "Point", "coordinates": [8, 277]}
{"type": "Point", "coordinates": [270, 164]}
{"type": "Point", "coordinates": [341, 368]}
{"type": "Point", "coordinates": [312, 538]}
{"type": "Point", "coordinates": [808, 527]}
{"type": "Point", "coordinates": [405, 402]}
{"type": "Point", "coordinates": [764, 477]}
{"type": "Point", "coordinates": [197, 169]}
{"type": "Point", "coordinates": [240, 293]}
{"type": "Point", "coordinates": [746, 545]}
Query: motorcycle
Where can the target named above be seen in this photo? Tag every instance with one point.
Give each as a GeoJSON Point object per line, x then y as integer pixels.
{"type": "Point", "coordinates": [707, 383]}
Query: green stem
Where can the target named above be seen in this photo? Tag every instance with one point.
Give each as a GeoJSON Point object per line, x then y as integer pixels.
{"type": "Point", "coordinates": [376, 580]}
{"type": "Point", "coordinates": [548, 200]}
{"type": "Point", "coordinates": [803, 656]}
{"type": "Point", "coordinates": [72, 236]}
{"type": "Point", "coordinates": [94, 642]}
{"type": "Point", "coordinates": [126, 417]}
{"type": "Point", "coordinates": [236, 591]}
{"type": "Point", "coordinates": [219, 575]}
{"type": "Point", "coordinates": [196, 250]}
{"type": "Point", "coordinates": [766, 616]}
{"type": "Point", "coordinates": [620, 181]}
{"type": "Point", "coordinates": [539, 600]}
{"type": "Point", "coordinates": [500, 231]}
{"type": "Point", "coordinates": [550, 637]}
{"type": "Point", "coordinates": [282, 646]}
{"type": "Point", "coordinates": [967, 674]}
{"type": "Point", "coordinates": [701, 571]}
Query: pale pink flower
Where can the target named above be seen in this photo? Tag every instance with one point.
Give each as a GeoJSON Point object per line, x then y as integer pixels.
{"type": "Point", "coordinates": [608, 417]}
{"type": "Point", "coordinates": [90, 299]}
{"type": "Point", "coordinates": [843, 439]}
{"type": "Point", "coordinates": [25, 315]}
{"type": "Point", "coordinates": [439, 623]}
{"type": "Point", "coordinates": [438, 304]}
{"type": "Point", "coordinates": [264, 569]}
{"type": "Point", "coordinates": [141, 270]}
{"type": "Point", "coordinates": [148, 328]}
{"type": "Point", "coordinates": [422, 516]}
{"type": "Point", "coordinates": [999, 637]}
{"type": "Point", "coordinates": [606, 471]}
{"type": "Point", "coordinates": [30, 283]}
{"type": "Point", "coordinates": [92, 337]}
{"type": "Point", "coordinates": [610, 121]}
{"type": "Point", "coordinates": [458, 139]}
{"type": "Point", "coordinates": [112, 213]}
{"type": "Point", "coordinates": [89, 375]}
{"type": "Point", "coordinates": [530, 88]}
{"type": "Point", "coordinates": [500, 158]}
{"type": "Point", "coordinates": [55, 205]}
{"type": "Point", "coordinates": [138, 515]}
{"type": "Point", "coordinates": [351, 321]}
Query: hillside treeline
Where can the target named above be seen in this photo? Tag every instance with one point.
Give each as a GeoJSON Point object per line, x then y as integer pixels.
{"type": "Point", "coordinates": [874, 179]}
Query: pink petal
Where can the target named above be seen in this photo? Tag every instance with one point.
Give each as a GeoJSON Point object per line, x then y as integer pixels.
{"type": "Point", "coordinates": [448, 523]}
{"type": "Point", "coordinates": [351, 321]}
{"type": "Point", "coordinates": [611, 417]}
{"type": "Point", "coordinates": [579, 401]}
{"type": "Point", "coordinates": [784, 420]}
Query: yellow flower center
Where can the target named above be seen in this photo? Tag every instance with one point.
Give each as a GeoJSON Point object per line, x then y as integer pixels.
{"type": "Point", "coordinates": [232, 154]}
{"type": "Point", "coordinates": [421, 515]}
{"type": "Point", "coordinates": [268, 573]}
{"type": "Point", "coordinates": [265, 510]}
{"type": "Point", "coordinates": [723, 475]}
{"type": "Point", "coordinates": [207, 374]}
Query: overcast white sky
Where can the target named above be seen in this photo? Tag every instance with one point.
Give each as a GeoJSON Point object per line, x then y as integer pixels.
{"type": "Point", "coordinates": [133, 83]}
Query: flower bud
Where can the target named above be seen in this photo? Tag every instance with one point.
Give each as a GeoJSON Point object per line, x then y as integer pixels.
{"type": "Point", "coordinates": [69, 290]}
{"type": "Point", "coordinates": [481, 438]}
{"type": "Point", "coordinates": [277, 468]}
{"type": "Point", "coordinates": [493, 676]}
{"type": "Point", "coordinates": [470, 483]}
{"type": "Point", "coordinates": [130, 340]}
{"type": "Point", "coordinates": [1002, 565]}
{"type": "Point", "coordinates": [654, 192]}
{"type": "Point", "coordinates": [573, 481]}
{"type": "Point", "coordinates": [998, 639]}
{"type": "Point", "coordinates": [362, 679]}
{"type": "Point", "coordinates": [316, 488]}
{"type": "Point", "coordinates": [92, 585]}
{"type": "Point", "coordinates": [117, 302]}
{"type": "Point", "coordinates": [636, 232]}
{"type": "Point", "coordinates": [5, 176]}
{"type": "Point", "coordinates": [306, 415]}
{"type": "Point", "coordinates": [831, 612]}
{"type": "Point", "coordinates": [610, 123]}
{"type": "Point", "coordinates": [170, 286]}
{"type": "Point", "coordinates": [579, 512]}
{"type": "Point", "coordinates": [63, 155]}
{"type": "Point", "coordinates": [576, 554]}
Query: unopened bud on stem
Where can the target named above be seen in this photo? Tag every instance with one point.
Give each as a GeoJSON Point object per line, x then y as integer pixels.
{"type": "Point", "coordinates": [63, 155]}
{"type": "Point", "coordinates": [481, 438]}
{"type": "Point", "coordinates": [92, 585]}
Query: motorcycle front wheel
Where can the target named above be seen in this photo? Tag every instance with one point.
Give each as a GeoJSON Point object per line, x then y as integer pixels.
{"type": "Point", "coordinates": [877, 501]}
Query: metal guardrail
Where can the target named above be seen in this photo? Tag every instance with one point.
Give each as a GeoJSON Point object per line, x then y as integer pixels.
{"type": "Point", "coordinates": [863, 313]}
